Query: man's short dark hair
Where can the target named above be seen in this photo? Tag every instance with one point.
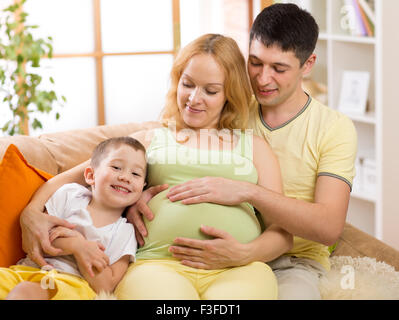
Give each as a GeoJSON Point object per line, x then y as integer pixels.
{"type": "Point", "coordinates": [102, 149]}
{"type": "Point", "coordinates": [288, 27]}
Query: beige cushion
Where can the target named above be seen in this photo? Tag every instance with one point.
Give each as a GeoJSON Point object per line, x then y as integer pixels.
{"type": "Point", "coordinates": [73, 147]}
{"type": "Point", "coordinates": [33, 150]}
{"type": "Point", "coordinates": [57, 152]}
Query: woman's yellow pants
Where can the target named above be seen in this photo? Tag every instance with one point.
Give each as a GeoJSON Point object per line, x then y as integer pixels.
{"type": "Point", "coordinates": [170, 280]}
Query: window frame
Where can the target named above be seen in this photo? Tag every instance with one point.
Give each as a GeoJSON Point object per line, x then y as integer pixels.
{"type": "Point", "coordinates": [98, 54]}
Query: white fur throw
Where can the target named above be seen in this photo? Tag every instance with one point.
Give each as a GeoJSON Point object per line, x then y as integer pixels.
{"type": "Point", "coordinates": [350, 279]}
{"type": "Point", "coordinates": [359, 279]}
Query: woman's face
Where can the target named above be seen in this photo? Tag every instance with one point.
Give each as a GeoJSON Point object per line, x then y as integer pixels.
{"type": "Point", "coordinates": [200, 92]}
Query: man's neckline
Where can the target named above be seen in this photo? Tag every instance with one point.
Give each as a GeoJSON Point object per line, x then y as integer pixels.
{"type": "Point", "coordinates": [287, 122]}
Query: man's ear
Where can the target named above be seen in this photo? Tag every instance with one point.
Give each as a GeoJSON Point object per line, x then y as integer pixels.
{"type": "Point", "coordinates": [89, 175]}
{"type": "Point", "coordinates": [308, 65]}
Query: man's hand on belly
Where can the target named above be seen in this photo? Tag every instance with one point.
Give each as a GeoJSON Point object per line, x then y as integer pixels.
{"type": "Point", "coordinates": [221, 252]}
{"type": "Point", "coordinates": [211, 189]}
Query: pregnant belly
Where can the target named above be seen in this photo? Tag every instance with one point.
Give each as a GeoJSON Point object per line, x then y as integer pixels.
{"type": "Point", "coordinates": [173, 219]}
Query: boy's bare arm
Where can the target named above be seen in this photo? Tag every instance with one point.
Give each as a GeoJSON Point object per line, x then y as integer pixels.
{"type": "Point", "coordinates": [109, 277]}
{"type": "Point", "coordinates": [91, 260]}
{"type": "Point", "coordinates": [88, 254]}
{"type": "Point", "coordinates": [68, 245]}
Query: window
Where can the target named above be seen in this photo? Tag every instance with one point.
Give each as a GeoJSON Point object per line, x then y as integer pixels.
{"type": "Point", "coordinates": [112, 58]}
{"type": "Point", "coordinates": [109, 61]}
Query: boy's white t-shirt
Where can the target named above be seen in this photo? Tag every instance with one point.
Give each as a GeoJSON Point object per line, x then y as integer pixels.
{"type": "Point", "coordinates": [70, 203]}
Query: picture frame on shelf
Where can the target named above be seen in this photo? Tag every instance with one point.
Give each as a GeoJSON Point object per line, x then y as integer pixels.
{"type": "Point", "coordinates": [354, 92]}
{"type": "Point", "coordinates": [370, 175]}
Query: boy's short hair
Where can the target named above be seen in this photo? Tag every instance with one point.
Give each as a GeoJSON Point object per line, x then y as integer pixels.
{"type": "Point", "coordinates": [102, 149]}
{"type": "Point", "coordinates": [287, 26]}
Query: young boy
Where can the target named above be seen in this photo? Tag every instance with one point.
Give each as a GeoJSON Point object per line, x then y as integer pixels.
{"type": "Point", "coordinates": [102, 242]}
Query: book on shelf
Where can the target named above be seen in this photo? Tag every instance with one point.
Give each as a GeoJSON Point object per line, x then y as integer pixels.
{"type": "Point", "coordinates": [368, 8]}
{"type": "Point", "coordinates": [358, 20]}
{"type": "Point", "coordinates": [350, 22]}
{"type": "Point", "coordinates": [361, 29]}
{"type": "Point", "coordinates": [366, 21]}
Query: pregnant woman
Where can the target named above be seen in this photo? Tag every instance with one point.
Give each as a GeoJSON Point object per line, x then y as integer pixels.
{"type": "Point", "coordinates": [201, 134]}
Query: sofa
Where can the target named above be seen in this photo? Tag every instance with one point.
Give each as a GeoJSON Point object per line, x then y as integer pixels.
{"type": "Point", "coordinates": [57, 152]}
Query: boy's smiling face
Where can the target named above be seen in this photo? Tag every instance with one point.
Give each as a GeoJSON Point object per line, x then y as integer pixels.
{"type": "Point", "coordinates": [119, 179]}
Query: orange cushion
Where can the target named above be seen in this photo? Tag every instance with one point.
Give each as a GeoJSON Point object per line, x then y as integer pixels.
{"type": "Point", "coordinates": [18, 182]}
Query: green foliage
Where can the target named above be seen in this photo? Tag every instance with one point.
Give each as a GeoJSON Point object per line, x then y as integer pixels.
{"type": "Point", "coordinates": [20, 50]}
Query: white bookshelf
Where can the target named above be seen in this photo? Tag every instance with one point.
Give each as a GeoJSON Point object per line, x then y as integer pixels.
{"type": "Point", "coordinates": [375, 211]}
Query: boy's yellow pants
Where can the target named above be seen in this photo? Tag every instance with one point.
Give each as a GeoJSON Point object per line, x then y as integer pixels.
{"type": "Point", "coordinates": [63, 286]}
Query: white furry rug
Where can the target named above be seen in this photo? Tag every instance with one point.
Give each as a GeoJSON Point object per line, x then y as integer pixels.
{"type": "Point", "coordinates": [350, 279]}
{"type": "Point", "coordinates": [105, 296]}
{"type": "Point", "coordinates": [359, 279]}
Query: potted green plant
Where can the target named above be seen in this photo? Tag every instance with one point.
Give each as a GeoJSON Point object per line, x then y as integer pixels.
{"type": "Point", "coordinates": [20, 53]}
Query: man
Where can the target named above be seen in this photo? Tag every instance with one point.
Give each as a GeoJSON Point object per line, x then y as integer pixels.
{"type": "Point", "coordinates": [316, 147]}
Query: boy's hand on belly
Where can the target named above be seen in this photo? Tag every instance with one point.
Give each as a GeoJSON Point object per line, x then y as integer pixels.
{"type": "Point", "coordinates": [136, 212]}
{"type": "Point", "coordinates": [221, 252]}
{"type": "Point", "coordinates": [210, 189]}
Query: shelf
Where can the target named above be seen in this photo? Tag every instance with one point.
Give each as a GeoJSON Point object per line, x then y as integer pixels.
{"type": "Point", "coordinates": [362, 195]}
{"type": "Point", "coordinates": [323, 36]}
{"type": "Point", "coordinates": [346, 38]}
{"type": "Point", "coordinates": [366, 118]}
{"type": "Point", "coordinates": [375, 212]}
{"type": "Point", "coordinates": [352, 39]}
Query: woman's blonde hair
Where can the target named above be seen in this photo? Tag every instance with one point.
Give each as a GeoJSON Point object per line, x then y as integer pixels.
{"type": "Point", "coordinates": [237, 88]}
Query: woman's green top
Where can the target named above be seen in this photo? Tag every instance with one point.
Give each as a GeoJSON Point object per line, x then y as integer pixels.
{"type": "Point", "coordinates": [174, 163]}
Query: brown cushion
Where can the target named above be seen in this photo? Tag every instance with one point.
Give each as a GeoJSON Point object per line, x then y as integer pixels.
{"type": "Point", "coordinates": [356, 243]}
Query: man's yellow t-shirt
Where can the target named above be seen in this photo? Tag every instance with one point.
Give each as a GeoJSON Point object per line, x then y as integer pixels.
{"type": "Point", "coordinates": [319, 141]}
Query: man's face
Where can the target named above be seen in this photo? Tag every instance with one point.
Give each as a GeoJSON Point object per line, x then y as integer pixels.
{"type": "Point", "coordinates": [275, 75]}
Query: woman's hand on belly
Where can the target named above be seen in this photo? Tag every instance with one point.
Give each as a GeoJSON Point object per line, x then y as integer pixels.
{"type": "Point", "coordinates": [221, 252]}
{"type": "Point", "coordinates": [211, 189]}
